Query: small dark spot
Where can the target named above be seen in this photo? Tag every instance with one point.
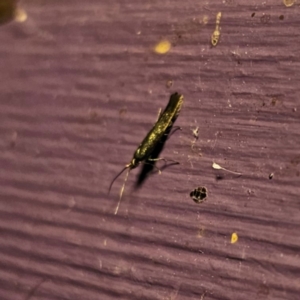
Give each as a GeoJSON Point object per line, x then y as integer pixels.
{"type": "Point", "coordinates": [281, 17]}
{"type": "Point", "coordinates": [295, 160]}
{"type": "Point", "coordinates": [253, 14]}
{"type": "Point", "coordinates": [199, 194]}
{"type": "Point", "coordinates": [271, 176]}
{"type": "Point", "coordinates": [13, 139]}
{"type": "Point", "coordinates": [93, 115]}
{"type": "Point", "coordinates": [235, 258]}
{"type": "Point", "coordinates": [274, 101]}
{"type": "Point", "coordinates": [219, 177]}
{"type": "Point", "coordinates": [250, 192]}
{"type": "Point", "coordinates": [179, 36]}
{"type": "Point", "coordinates": [122, 111]}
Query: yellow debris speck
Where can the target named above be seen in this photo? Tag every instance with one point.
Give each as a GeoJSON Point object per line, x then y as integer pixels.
{"type": "Point", "coordinates": [215, 37]}
{"type": "Point", "coordinates": [20, 15]}
{"type": "Point", "coordinates": [162, 47]}
{"type": "Point", "coordinates": [216, 34]}
{"type": "Point", "coordinates": [205, 20]}
{"type": "Point", "coordinates": [201, 232]}
{"type": "Point", "coordinates": [288, 3]}
{"type": "Point", "coordinates": [234, 238]}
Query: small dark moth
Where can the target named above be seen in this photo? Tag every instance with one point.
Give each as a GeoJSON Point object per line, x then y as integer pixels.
{"type": "Point", "coordinates": [199, 194]}
{"type": "Point", "coordinates": [145, 149]}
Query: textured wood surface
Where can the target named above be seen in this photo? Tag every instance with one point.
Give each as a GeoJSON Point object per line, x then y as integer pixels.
{"type": "Point", "coordinates": [80, 86]}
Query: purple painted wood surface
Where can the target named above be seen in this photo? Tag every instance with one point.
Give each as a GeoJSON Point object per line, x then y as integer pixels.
{"type": "Point", "coordinates": [80, 86]}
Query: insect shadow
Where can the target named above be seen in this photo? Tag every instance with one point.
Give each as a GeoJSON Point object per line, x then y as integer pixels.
{"type": "Point", "coordinates": [149, 165]}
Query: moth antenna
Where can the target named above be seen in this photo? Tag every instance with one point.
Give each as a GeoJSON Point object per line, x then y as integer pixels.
{"type": "Point", "coordinates": [126, 167]}
{"type": "Point", "coordinates": [121, 192]}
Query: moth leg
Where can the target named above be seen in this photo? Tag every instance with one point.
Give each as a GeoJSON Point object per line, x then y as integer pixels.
{"type": "Point", "coordinates": [159, 115]}
{"type": "Point", "coordinates": [164, 159]}
{"type": "Point", "coordinates": [174, 130]}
